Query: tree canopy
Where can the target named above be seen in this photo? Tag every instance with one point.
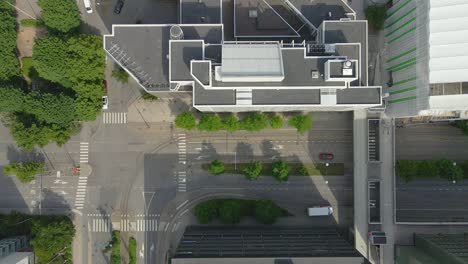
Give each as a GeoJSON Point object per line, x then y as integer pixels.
{"type": "Point", "coordinates": [267, 211]}
{"type": "Point", "coordinates": [51, 240]}
{"type": "Point", "coordinates": [216, 167]}
{"type": "Point", "coordinates": [255, 122]}
{"type": "Point", "coordinates": [376, 15]}
{"type": "Point", "coordinates": [302, 123]}
{"type": "Point", "coordinates": [276, 122]}
{"type": "Point", "coordinates": [280, 170]}
{"type": "Point", "coordinates": [186, 120]}
{"type": "Point", "coordinates": [206, 211]}
{"type": "Point", "coordinates": [25, 172]}
{"type": "Point", "coordinates": [253, 170]}
{"type": "Point", "coordinates": [210, 122]}
{"type": "Point", "coordinates": [9, 66]}
{"type": "Point", "coordinates": [60, 15]}
{"type": "Point", "coordinates": [231, 123]}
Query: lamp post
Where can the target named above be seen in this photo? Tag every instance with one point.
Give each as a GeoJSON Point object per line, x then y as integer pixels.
{"type": "Point", "coordinates": [326, 170]}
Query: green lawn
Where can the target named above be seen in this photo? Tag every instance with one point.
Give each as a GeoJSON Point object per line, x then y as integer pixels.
{"type": "Point", "coordinates": [313, 169]}
{"type": "Point", "coordinates": [28, 69]}
{"type": "Point", "coordinates": [32, 23]}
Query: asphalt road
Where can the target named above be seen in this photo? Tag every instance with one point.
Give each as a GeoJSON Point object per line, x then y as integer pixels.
{"type": "Point", "coordinates": [431, 200]}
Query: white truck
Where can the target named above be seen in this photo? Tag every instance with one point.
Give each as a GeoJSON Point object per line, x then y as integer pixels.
{"type": "Point", "coordinates": [320, 210]}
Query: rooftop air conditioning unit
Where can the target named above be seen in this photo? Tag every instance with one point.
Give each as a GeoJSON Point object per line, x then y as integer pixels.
{"type": "Point", "coordinates": [315, 74]}
{"type": "Point", "coordinates": [253, 13]}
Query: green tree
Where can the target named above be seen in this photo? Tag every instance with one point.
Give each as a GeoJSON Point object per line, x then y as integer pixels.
{"type": "Point", "coordinates": [267, 211]}
{"type": "Point", "coordinates": [70, 60]}
{"type": "Point", "coordinates": [210, 122]}
{"type": "Point", "coordinates": [25, 172]}
{"type": "Point", "coordinates": [276, 122]}
{"type": "Point", "coordinates": [132, 251]}
{"type": "Point", "coordinates": [186, 120]}
{"type": "Point", "coordinates": [449, 170]}
{"type": "Point", "coordinates": [231, 123]}
{"type": "Point", "coordinates": [11, 99]}
{"type": "Point", "coordinates": [255, 122]}
{"type": "Point", "coordinates": [60, 15]}
{"type": "Point", "coordinates": [280, 170]}
{"type": "Point", "coordinates": [51, 240]}
{"type": "Point", "coordinates": [216, 167]}
{"type": "Point", "coordinates": [50, 108]}
{"type": "Point", "coordinates": [115, 253]}
{"type": "Point", "coordinates": [375, 15]}
{"type": "Point", "coordinates": [303, 171]}
{"type": "Point", "coordinates": [302, 123]}
{"type": "Point", "coordinates": [464, 167]}
{"type": "Point", "coordinates": [427, 169]}
{"type": "Point", "coordinates": [88, 102]}
{"type": "Point", "coordinates": [406, 169]}
{"type": "Point", "coordinates": [231, 211]}
{"type": "Point", "coordinates": [206, 211]}
{"type": "Point", "coordinates": [120, 74]}
{"type": "Point", "coordinates": [253, 170]}
{"type": "Point", "coordinates": [9, 65]}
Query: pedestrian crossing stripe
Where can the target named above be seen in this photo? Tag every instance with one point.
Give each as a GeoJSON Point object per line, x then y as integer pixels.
{"type": "Point", "coordinates": [114, 117]}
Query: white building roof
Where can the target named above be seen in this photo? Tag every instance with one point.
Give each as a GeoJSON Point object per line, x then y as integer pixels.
{"type": "Point", "coordinates": [448, 41]}
{"type": "Point", "coordinates": [251, 62]}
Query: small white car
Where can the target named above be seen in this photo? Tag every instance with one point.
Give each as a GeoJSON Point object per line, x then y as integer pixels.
{"type": "Point", "coordinates": [105, 102]}
{"type": "Point", "coordinates": [87, 4]}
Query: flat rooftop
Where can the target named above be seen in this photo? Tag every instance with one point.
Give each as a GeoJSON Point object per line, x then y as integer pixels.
{"type": "Point", "coordinates": [200, 12]}
{"type": "Point", "coordinates": [316, 11]}
{"type": "Point", "coordinates": [144, 49]}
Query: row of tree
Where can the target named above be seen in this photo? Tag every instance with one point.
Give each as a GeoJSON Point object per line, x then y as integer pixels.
{"type": "Point", "coordinates": [408, 170]}
{"type": "Point", "coordinates": [231, 211]}
{"type": "Point", "coordinates": [51, 235]}
{"type": "Point", "coordinates": [252, 122]}
{"type": "Point", "coordinates": [9, 66]}
{"type": "Point", "coordinates": [279, 169]}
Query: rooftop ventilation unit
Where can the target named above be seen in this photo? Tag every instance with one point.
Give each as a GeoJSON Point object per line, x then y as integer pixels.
{"type": "Point", "coordinates": [347, 68]}
{"type": "Point", "coordinates": [176, 32]}
{"type": "Point", "coordinates": [315, 74]}
{"type": "Point", "coordinates": [253, 13]}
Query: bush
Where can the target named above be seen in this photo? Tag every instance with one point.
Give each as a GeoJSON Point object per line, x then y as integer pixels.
{"type": "Point", "coordinates": [302, 123]}
{"type": "Point", "coordinates": [303, 171]}
{"type": "Point", "coordinates": [267, 211]}
{"type": "Point", "coordinates": [120, 75]}
{"type": "Point", "coordinates": [149, 97]}
{"type": "Point", "coordinates": [231, 211]}
{"type": "Point", "coordinates": [9, 65]}
{"type": "Point", "coordinates": [280, 170]}
{"type": "Point", "coordinates": [210, 122]}
{"type": "Point", "coordinates": [60, 15]}
{"type": "Point", "coordinates": [32, 23]}
{"type": "Point", "coordinates": [231, 123]}
{"type": "Point", "coordinates": [206, 211]}
{"type": "Point", "coordinates": [375, 15]}
{"type": "Point", "coordinates": [410, 169]}
{"type": "Point", "coordinates": [276, 122]}
{"type": "Point", "coordinates": [24, 172]}
{"type": "Point", "coordinates": [186, 120]}
{"type": "Point", "coordinates": [115, 253]}
{"type": "Point", "coordinates": [253, 170]}
{"type": "Point", "coordinates": [461, 124]}
{"type": "Point", "coordinates": [132, 251]}
{"type": "Point", "coordinates": [216, 167]}
{"type": "Point", "coordinates": [255, 122]}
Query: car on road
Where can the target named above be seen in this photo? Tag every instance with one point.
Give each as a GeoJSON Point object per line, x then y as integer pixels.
{"type": "Point", "coordinates": [105, 102]}
{"type": "Point", "coordinates": [118, 6]}
{"type": "Point", "coordinates": [87, 4]}
{"type": "Point", "coordinates": [320, 210]}
{"type": "Point", "coordinates": [326, 156]}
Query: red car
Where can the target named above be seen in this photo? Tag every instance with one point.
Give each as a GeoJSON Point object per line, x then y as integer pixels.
{"type": "Point", "coordinates": [326, 156]}
{"type": "Point", "coordinates": [104, 83]}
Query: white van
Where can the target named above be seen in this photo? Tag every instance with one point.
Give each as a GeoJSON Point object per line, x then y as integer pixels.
{"type": "Point", "coordinates": [320, 210]}
{"type": "Point", "coordinates": [87, 4]}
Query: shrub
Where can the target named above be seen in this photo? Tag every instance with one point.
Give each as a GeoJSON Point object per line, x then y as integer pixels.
{"type": "Point", "coordinates": [375, 15]}
{"type": "Point", "coordinates": [210, 122]}
{"type": "Point", "coordinates": [303, 171]}
{"type": "Point", "coordinates": [231, 123]}
{"type": "Point", "coordinates": [406, 169]}
{"type": "Point", "coordinates": [216, 167]}
{"type": "Point", "coordinates": [280, 170]}
{"type": "Point", "coordinates": [302, 123]}
{"type": "Point", "coordinates": [276, 122]}
{"type": "Point", "coordinates": [132, 251]}
{"type": "Point", "coordinates": [461, 124]}
{"type": "Point", "coordinates": [253, 170]}
{"type": "Point", "coordinates": [115, 253]}
{"type": "Point", "coordinates": [149, 97]}
{"type": "Point", "coordinates": [206, 211]}
{"type": "Point", "coordinates": [267, 211]}
{"type": "Point", "coordinates": [186, 120]}
{"type": "Point", "coordinates": [120, 75]}
{"type": "Point", "coordinates": [231, 211]}
{"type": "Point", "coordinates": [255, 122]}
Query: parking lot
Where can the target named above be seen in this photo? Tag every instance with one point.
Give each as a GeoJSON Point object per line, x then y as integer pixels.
{"type": "Point", "coordinates": [432, 200]}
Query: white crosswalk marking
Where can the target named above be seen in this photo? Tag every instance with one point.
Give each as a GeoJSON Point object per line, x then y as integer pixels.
{"type": "Point", "coordinates": [84, 151]}
{"type": "Point", "coordinates": [146, 225]}
{"type": "Point", "coordinates": [182, 174]}
{"type": "Point", "coordinates": [101, 225]}
{"type": "Point", "coordinates": [80, 195]}
{"type": "Point", "coordinates": [114, 118]}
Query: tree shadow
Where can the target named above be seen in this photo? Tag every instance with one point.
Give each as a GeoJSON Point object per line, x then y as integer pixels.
{"type": "Point", "coordinates": [244, 152]}
{"type": "Point", "coordinates": [18, 155]}
{"type": "Point", "coordinates": [270, 151]}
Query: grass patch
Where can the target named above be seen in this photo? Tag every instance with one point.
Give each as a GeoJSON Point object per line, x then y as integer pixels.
{"type": "Point", "coordinates": [28, 69]}
{"type": "Point", "coordinates": [295, 169]}
{"type": "Point", "coordinates": [132, 251]}
{"type": "Point", "coordinates": [149, 97]}
{"type": "Point", "coordinates": [32, 23]}
{"type": "Point", "coordinates": [115, 253]}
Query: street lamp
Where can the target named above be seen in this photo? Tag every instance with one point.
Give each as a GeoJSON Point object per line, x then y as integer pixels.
{"type": "Point", "coordinates": [326, 170]}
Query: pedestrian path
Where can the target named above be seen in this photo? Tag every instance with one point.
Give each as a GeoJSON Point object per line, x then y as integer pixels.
{"type": "Point", "coordinates": [84, 152]}
{"type": "Point", "coordinates": [114, 117]}
{"type": "Point", "coordinates": [182, 173]}
{"type": "Point", "coordinates": [100, 223]}
{"type": "Point", "coordinates": [80, 195]}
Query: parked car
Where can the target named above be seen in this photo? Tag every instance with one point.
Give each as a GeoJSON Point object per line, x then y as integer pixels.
{"type": "Point", "coordinates": [87, 4]}
{"type": "Point", "coordinates": [105, 102]}
{"type": "Point", "coordinates": [104, 83]}
{"type": "Point", "coordinates": [326, 156]}
{"type": "Point", "coordinates": [118, 6]}
{"type": "Point", "coordinates": [320, 211]}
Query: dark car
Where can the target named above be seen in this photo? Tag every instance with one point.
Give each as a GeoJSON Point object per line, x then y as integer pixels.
{"type": "Point", "coordinates": [104, 83]}
{"type": "Point", "coordinates": [118, 6]}
{"type": "Point", "coordinates": [326, 156]}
